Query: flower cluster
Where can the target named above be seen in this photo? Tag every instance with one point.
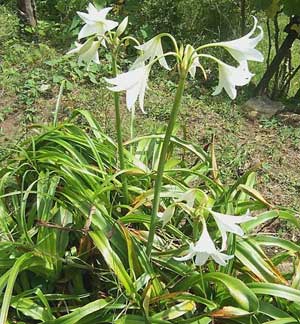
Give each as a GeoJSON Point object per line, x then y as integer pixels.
{"type": "Point", "coordinates": [205, 247]}
{"type": "Point", "coordinates": [100, 31]}
{"type": "Point", "coordinates": [96, 27]}
{"type": "Point", "coordinates": [134, 82]}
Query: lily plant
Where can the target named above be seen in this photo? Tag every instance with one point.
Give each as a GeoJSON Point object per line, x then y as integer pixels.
{"type": "Point", "coordinates": [98, 31]}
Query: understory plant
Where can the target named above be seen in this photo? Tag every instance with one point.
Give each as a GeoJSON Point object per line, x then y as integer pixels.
{"type": "Point", "coordinates": [147, 235]}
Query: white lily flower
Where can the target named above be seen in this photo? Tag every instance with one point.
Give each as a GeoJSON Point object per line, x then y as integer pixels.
{"type": "Point", "coordinates": [134, 82]}
{"type": "Point", "coordinates": [166, 216]}
{"type": "Point", "coordinates": [87, 52]}
{"type": "Point", "coordinates": [203, 249]}
{"type": "Point", "coordinates": [151, 50]}
{"type": "Point", "coordinates": [230, 77]}
{"type": "Point", "coordinates": [229, 224]}
{"type": "Point", "coordinates": [189, 196]}
{"type": "Point", "coordinates": [243, 49]}
{"type": "Point", "coordinates": [195, 64]}
{"type": "Point", "coordinates": [190, 54]}
{"type": "Point", "coordinates": [96, 22]}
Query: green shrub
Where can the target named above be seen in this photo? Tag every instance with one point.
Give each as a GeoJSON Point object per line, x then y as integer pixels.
{"type": "Point", "coordinates": [189, 20]}
{"type": "Point", "coordinates": [9, 25]}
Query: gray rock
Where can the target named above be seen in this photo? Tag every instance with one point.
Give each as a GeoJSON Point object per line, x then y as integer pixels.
{"type": "Point", "coordinates": [262, 107]}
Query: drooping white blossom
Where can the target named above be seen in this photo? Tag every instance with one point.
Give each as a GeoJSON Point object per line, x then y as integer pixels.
{"type": "Point", "coordinates": [87, 52]}
{"type": "Point", "coordinates": [134, 82]}
{"type": "Point", "coordinates": [189, 196]}
{"type": "Point", "coordinates": [203, 249]}
{"type": "Point", "coordinates": [230, 77]}
{"type": "Point", "coordinates": [166, 215]}
{"type": "Point", "coordinates": [194, 66]}
{"type": "Point", "coordinates": [243, 49]}
{"type": "Point", "coordinates": [151, 50]}
{"type": "Point", "coordinates": [229, 224]}
{"type": "Point", "coordinates": [191, 57]}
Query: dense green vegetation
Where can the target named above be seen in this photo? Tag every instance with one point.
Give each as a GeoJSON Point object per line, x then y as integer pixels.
{"type": "Point", "coordinates": [74, 246]}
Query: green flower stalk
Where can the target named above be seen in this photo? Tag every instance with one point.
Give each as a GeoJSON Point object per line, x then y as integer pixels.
{"type": "Point", "coordinates": [119, 134]}
{"type": "Point", "coordinates": [162, 160]}
{"type": "Point", "coordinates": [99, 31]}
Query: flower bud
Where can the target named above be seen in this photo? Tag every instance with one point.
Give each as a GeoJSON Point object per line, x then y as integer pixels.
{"type": "Point", "coordinates": [121, 28]}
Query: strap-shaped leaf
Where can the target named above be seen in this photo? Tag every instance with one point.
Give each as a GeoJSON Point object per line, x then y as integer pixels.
{"type": "Point", "coordinates": [80, 312]}
{"type": "Point", "coordinates": [237, 289]}
{"type": "Point", "coordinates": [26, 261]}
{"type": "Point", "coordinates": [275, 290]}
{"type": "Point", "coordinates": [135, 319]}
{"type": "Point", "coordinates": [112, 260]}
{"type": "Point", "coordinates": [272, 311]}
{"type": "Point", "coordinates": [176, 311]}
{"type": "Point", "coordinates": [258, 264]}
{"type": "Point", "coordinates": [287, 215]}
{"type": "Point", "coordinates": [270, 240]}
{"type": "Point", "coordinates": [287, 320]}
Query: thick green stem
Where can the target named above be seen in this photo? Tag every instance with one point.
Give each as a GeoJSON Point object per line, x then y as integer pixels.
{"type": "Point", "coordinates": [162, 160]}
{"type": "Point", "coordinates": [119, 134]}
{"type": "Point", "coordinates": [58, 102]}
{"type": "Point", "coordinates": [132, 120]}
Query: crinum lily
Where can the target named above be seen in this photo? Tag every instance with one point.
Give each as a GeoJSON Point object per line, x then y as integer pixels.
{"type": "Point", "coordinates": [230, 77]}
{"type": "Point", "coordinates": [151, 50]}
{"type": "Point", "coordinates": [95, 22]}
{"type": "Point", "coordinates": [189, 196]}
{"type": "Point", "coordinates": [229, 224]}
{"type": "Point", "coordinates": [195, 64]}
{"type": "Point", "coordinates": [134, 82]}
{"type": "Point", "coordinates": [191, 60]}
{"type": "Point", "coordinates": [243, 49]}
{"type": "Point", "coordinates": [87, 52]}
{"type": "Point", "coordinates": [203, 249]}
{"type": "Point", "coordinates": [167, 214]}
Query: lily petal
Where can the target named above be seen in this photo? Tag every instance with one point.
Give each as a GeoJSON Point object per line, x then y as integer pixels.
{"type": "Point", "coordinates": [243, 48]}
{"type": "Point", "coordinates": [134, 82]}
{"type": "Point", "coordinates": [201, 259]}
{"type": "Point", "coordinates": [203, 249]}
{"type": "Point", "coordinates": [150, 50]}
{"type": "Point", "coordinates": [88, 30]}
{"type": "Point", "coordinates": [187, 257]}
{"type": "Point", "coordinates": [131, 97]}
{"type": "Point", "coordinates": [229, 224]}
{"type": "Point", "coordinates": [221, 258]}
{"type": "Point", "coordinates": [230, 77]}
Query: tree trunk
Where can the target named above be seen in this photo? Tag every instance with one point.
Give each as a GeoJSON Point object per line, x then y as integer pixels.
{"type": "Point", "coordinates": [243, 16]}
{"type": "Point", "coordinates": [297, 95]}
{"type": "Point", "coordinates": [27, 11]}
{"type": "Point", "coordinates": [275, 64]}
